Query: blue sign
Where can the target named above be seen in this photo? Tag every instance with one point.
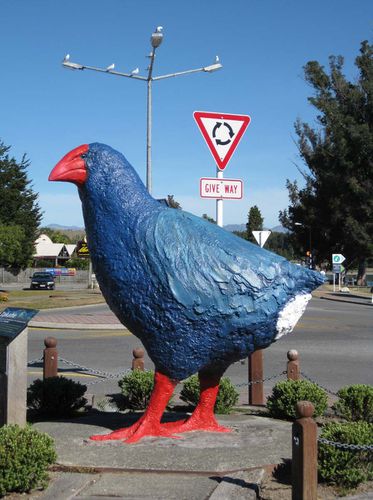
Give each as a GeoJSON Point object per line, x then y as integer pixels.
{"type": "Point", "coordinates": [13, 320]}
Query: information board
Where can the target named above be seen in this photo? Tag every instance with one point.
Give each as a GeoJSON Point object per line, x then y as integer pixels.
{"type": "Point", "coordinates": [13, 320]}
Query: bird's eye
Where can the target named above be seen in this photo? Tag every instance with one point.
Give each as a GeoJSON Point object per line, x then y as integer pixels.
{"type": "Point", "coordinates": [84, 156]}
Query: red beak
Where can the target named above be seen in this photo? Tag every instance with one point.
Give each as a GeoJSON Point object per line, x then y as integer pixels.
{"type": "Point", "coordinates": [72, 167]}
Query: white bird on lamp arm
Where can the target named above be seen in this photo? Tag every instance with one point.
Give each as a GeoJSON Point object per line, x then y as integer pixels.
{"type": "Point", "coordinates": [111, 67]}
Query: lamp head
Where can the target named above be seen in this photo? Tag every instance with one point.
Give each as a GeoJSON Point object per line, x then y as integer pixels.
{"type": "Point", "coordinates": [212, 67]}
{"type": "Point", "coordinates": [157, 37]}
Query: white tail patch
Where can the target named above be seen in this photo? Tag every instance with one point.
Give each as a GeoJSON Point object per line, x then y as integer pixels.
{"type": "Point", "coordinates": [290, 314]}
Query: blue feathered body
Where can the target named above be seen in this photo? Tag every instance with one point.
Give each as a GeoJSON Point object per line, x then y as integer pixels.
{"type": "Point", "coordinates": [196, 295]}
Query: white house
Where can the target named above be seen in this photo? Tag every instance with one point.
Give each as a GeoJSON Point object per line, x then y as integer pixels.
{"type": "Point", "coordinates": [45, 249]}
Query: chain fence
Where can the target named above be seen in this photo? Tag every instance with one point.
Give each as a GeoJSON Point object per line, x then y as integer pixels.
{"type": "Point", "coordinates": [253, 382]}
{"type": "Point", "coordinates": [105, 376]}
{"type": "Point", "coordinates": [92, 371]}
{"type": "Point", "coordinates": [345, 446]}
{"type": "Point", "coordinates": [35, 361]}
{"type": "Point", "coordinates": [304, 375]}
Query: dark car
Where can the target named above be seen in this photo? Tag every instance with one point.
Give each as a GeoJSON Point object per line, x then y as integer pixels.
{"type": "Point", "coordinates": [42, 280]}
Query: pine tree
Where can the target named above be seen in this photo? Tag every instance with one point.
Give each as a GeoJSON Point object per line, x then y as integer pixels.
{"type": "Point", "coordinates": [336, 204]}
{"type": "Point", "coordinates": [254, 223]}
{"type": "Point", "coordinates": [19, 212]}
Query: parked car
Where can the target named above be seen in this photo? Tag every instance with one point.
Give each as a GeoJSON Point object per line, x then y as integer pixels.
{"type": "Point", "coordinates": [42, 280]}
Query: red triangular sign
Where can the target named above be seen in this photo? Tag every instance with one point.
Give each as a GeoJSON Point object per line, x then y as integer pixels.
{"type": "Point", "coordinates": [222, 133]}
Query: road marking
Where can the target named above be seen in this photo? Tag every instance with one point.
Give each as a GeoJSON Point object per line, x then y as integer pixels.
{"type": "Point", "coordinates": [69, 374]}
{"type": "Point", "coordinates": [85, 334]}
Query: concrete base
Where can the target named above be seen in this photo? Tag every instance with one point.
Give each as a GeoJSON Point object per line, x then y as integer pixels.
{"type": "Point", "coordinates": [254, 442]}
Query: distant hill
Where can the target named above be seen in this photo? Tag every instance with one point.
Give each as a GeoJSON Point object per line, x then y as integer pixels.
{"type": "Point", "coordinates": [280, 229]}
{"type": "Point", "coordinates": [242, 227]}
{"type": "Point", "coordinates": [59, 227]}
{"type": "Point", "coordinates": [235, 227]}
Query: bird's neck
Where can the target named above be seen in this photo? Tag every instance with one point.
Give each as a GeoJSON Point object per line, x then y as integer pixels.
{"type": "Point", "coordinates": [114, 211]}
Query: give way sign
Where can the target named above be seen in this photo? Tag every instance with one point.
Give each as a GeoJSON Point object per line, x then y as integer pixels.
{"type": "Point", "coordinates": [222, 133]}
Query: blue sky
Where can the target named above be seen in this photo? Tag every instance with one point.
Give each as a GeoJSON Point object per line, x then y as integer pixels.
{"type": "Point", "coordinates": [47, 110]}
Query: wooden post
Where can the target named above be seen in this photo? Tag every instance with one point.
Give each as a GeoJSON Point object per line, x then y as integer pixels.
{"type": "Point", "coordinates": [138, 359]}
{"type": "Point", "coordinates": [293, 367]}
{"type": "Point", "coordinates": [304, 457]}
{"type": "Point", "coordinates": [50, 358]}
{"type": "Point", "coordinates": [256, 391]}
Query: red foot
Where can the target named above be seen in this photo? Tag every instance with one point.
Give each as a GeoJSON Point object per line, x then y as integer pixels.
{"type": "Point", "coordinates": [196, 424]}
{"type": "Point", "coordinates": [120, 434]}
{"type": "Point", "coordinates": [136, 432]}
{"type": "Point", "coordinates": [149, 424]}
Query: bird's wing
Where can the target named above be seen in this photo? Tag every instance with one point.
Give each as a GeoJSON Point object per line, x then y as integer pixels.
{"type": "Point", "coordinates": [208, 269]}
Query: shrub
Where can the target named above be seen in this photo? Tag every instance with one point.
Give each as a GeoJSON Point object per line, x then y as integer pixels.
{"type": "Point", "coordinates": [285, 395]}
{"type": "Point", "coordinates": [136, 389]}
{"type": "Point", "coordinates": [226, 399]}
{"type": "Point", "coordinates": [355, 403]}
{"type": "Point", "coordinates": [345, 467]}
{"type": "Point", "coordinates": [25, 455]}
{"type": "Point", "coordinates": [56, 396]}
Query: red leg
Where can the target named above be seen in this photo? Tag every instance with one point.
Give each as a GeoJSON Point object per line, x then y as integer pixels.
{"type": "Point", "coordinates": [203, 418]}
{"type": "Point", "coordinates": [149, 424]}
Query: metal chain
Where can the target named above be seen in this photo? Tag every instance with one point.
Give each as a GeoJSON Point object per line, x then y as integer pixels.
{"type": "Point", "coordinates": [94, 382]}
{"type": "Point", "coordinates": [92, 371]}
{"type": "Point", "coordinates": [345, 446]}
{"type": "Point", "coordinates": [34, 361]}
{"type": "Point", "coordinates": [247, 384]}
{"type": "Point", "coordinates": [314, 382]}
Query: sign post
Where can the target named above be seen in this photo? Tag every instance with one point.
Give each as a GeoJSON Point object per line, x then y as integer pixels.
{"type": "Point", "coordinates": [337, 259]}
{"type": "Point", "coordinates": [219, 204]}
{"type": "Point", "coordinates": [13, 364]}
{"type": "Point", "coordinates": [222, 133]}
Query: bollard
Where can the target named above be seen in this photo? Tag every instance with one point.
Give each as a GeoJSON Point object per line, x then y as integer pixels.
{"type": "Point", "coordinates": [256, 391]}
{"type": "Point", "coordinates": [304, 456]}
{"type": "Point", "coordinates": [293, 367]}
{"type": "Point", "coordinates": [50, 358]}
{"type": "Point", "coordinates": [138, 359]}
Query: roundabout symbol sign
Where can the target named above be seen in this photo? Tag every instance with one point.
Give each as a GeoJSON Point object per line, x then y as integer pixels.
{"type": "Point", "coordinates": [219, 142]}
{"type": "Point", "coordinates": [222, 133]}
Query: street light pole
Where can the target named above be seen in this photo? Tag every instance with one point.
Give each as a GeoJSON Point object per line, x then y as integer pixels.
{"type": "Point", "coordinates": [149, 185]}
{"type": "Point", "coordinates": [155, 40]}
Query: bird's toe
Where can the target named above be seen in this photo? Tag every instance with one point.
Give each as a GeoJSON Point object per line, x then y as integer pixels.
{"type": "Point", "coordinates": [119, 434]}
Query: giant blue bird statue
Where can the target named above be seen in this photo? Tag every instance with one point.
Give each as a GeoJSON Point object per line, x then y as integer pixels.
{"type": "Point", "coordinates": [198, 297]}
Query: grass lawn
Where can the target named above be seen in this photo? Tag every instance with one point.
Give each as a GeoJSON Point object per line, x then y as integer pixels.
{"type": "Point", "coordinates": [48, 299]}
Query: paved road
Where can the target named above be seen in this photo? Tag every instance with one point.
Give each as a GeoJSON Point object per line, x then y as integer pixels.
{"type": "Point", "coordinates": [334, 339]}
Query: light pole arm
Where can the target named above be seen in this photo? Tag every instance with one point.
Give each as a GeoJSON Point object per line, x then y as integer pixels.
{"type": "Point", "coordinates": [171, 75]}
{"type": "Point", "coordinates": [71, 65]}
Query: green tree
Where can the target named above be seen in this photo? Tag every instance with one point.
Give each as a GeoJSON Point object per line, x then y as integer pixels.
{"type": "Point", "coordinates": [208, 218]}
{"type": "Point", "coordinates": [281, 244]}
{"type": "Point", "coordinates": [11, 244]}
{"type": "Point", "coordinates": [254, 223]}
{"type": "Point", "coordinates": [241, 234]}
{"type": "Point", "coordinates": [336, 203]}
{"type": "Point", "coordinates": [55, 235]}
{"type": "Point", "coordinates": [18, 210]}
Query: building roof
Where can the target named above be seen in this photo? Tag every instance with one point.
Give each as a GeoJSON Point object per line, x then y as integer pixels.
{"type": "Point", "coordinates": [44, 247]}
